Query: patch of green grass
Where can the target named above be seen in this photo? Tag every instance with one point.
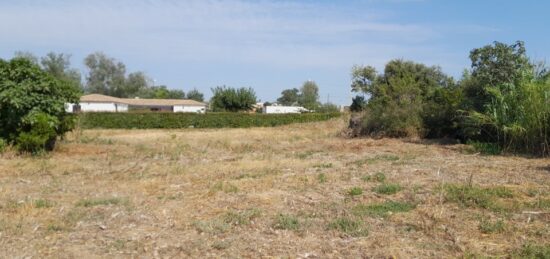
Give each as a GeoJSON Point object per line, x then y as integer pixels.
{"type": "Point", "coordinates": [323, 165]}
{"type": "Point", "coordinates": [349, 226]}
{"type": "Point", "coordinates": [305, 155]}
{"type": "Point", "coordinates": [387, 188]}
{"type": "Point", "coordinates": [101, 201]}
{"type": "Point", "coordinates": [472, 196]}
{"type": "Point", "coordinates": [322, 178]}
{"type": "Point", "coordinates": [287, 222]}
{"type": "Point", "coordinates": [54, 228]}
{"type": "Point", "coordinates": [541, 204]}
{"type": "Point", "coordinates": [382, 209]}
{"type": "Point", "coordinates": [489, 227]}
{"type": "Point", "coordinates": [42, 203]}
{"type": "Point", "coordinates": [378, 177]}
{"type": "Point", "coordinates": [211, 227]}
{"type": "Point", "coordinates": [533, 251]}
{"type": "Point", "coordinates": [486, 148]}
{"type": "Point", "coordinates": [241, 217]}
{"type": "Point", "coordinates": [225, 187]}
{"type": "Point", "coordinates": [354, 191]}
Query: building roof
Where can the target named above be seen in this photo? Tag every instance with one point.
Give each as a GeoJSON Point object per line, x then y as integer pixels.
{"type": "Point", "coordinates": [99, 98]}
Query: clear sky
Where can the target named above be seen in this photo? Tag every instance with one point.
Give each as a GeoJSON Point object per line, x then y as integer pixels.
{"type": "Point", "coordinates": [270, 45]}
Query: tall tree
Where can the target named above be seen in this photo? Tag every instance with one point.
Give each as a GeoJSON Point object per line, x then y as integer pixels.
{"type": "Point", "coordinates": [106, 75]}
{"type": "Point", "coordinates": [232, 100]}
{"type": "Point", "coordinates": [309, 97]}
{"type": "Point", "coordinates": [195, 95]}
{"type": "Point", "coordinates": [59, 66]}
{"type": "Point", "coordinates": [496, 65]}
{"type": "Point", "coordinates": [289, 97]}
{"type": "Point", "coordinates": [135, 83]}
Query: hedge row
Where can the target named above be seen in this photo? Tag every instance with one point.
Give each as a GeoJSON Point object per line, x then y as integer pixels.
{"type": "Point", "coordinates": [149, 120]}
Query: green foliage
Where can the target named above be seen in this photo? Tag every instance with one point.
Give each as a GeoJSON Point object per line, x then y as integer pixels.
{"type": "Point", "coordinates": [32, 105]}
{"type": "Point", "coordinates": [195, 95]}
{"type": "Point", "coordinates": [399, 98]}
{"type": "Point", "coordinates": [107, 76]}
{"type": "Point", "coordinates": [387, 188]}
{"type": "Point", "coordinates": [237, 218]}
{"type": "Point", "coordinates": [355, 191]}
{"type": "Point", "coordinates": [533, 251]}
{"type": "Point", "coordinates": [287, 222]}
{"type": "Point", "coordinates": [309, 95]}
{"type": "Point", "coordinates": [382, 209]}
{"type": "Point", "coordinates": [41, 203]}
{"type": "Point", "coordinates": [488, 227]}
{"type": "Point", "coordinates": [472, 196]}
{"type": "Point", "coordinates": [358, 104]}
{"type": "Point", "coordinates": [98, 202]}
{"type": "Point", "coordinates": [289, 97]}
{"type": "Point", "coordinates": [379, 177]}
{"type": "Point", "coordinates": [227, 99]}
{"type": "Point", "coordinates": [3, 145]}
{"type": "Point", "coordinates": [328, 108]}
{"type": "Point", "coordinates": [486, 148]}
{"type": "Point", "coordinates": [494, 66]}
{"type": "Point", "coordinates": [517, 118]}
{"type": "Point", "coordinates": [160, 92]}
{"type": "Point", "coordinates": [186, 120]}
{"type": "Point", "coordinates": [502, 101]}
{"type": "Point", "coordinates": [349, 226]}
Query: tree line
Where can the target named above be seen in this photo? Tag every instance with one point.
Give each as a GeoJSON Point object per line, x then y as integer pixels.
{"type": "Point", "coordinates": [108, 76]}
{"type": "Point", "coordinates": [501, 103]}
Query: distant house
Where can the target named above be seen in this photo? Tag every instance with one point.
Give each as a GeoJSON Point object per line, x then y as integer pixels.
{"type": "Point", "coordinates": [104, 103]}
{"type": "Point", "coordinates": [284, 109]}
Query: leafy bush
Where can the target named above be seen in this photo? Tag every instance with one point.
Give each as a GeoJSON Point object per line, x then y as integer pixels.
{"type": "Point", "coordinates": [32, 105]}
{"type": "Point", "coordinates": [517, 118]}
{"type": "Point", "coordinates": [186, 120]}
{"type": "Point", "coordinates": [399, 98]}
{"type": "Point", "coordinates": [232, 100]}
{"type": "Point", "coordinates": [3, 145]}
{"type": "Point", "coordinates": [358, 104]}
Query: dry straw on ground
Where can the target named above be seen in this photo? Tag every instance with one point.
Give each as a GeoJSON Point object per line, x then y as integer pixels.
{"type": "Point", "coordinates": [294, 191]}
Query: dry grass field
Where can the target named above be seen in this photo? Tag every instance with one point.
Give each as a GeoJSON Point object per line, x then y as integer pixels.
{"type": "Point", "coordinates": [297, 191]}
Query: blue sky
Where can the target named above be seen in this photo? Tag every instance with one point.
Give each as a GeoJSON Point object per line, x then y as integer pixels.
{"type": "Point", "coordinates": [270, 45]}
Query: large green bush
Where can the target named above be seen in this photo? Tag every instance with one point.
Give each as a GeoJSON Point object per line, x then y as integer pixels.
{"type": "Point", "coordinates": [408, 99]}
{"type": "Point", "coordinates": [32, 105]}
{"type": "Point", "coordinates": [186, 120]}
{"type": "Point", "coordinates": [228, 99]}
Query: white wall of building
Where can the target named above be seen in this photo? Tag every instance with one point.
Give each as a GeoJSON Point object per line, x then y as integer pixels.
{"type": "Point", "coordinates": [194, 109]}
{"type": "Point", "coordinates": [98, 107]}
{"type": "Point", "coordinates": [284, 109]}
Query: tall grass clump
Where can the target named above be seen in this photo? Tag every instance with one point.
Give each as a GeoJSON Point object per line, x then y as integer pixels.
{"type": "Point", "coordinates": [518, 117]}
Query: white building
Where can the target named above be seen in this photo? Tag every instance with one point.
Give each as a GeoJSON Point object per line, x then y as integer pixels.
{"type": "Point", "coordinates": [104, 103]}
{"type": "Point", "coordinates": [284, 109]}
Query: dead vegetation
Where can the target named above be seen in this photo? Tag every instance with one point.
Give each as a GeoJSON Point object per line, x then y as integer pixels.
{"type": "Point", "coordinates": [294, 191]}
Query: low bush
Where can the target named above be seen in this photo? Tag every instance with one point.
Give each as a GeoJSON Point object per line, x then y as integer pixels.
{"type": "Point", "coordinates": [191, 120]}
{"type": "Point", "coordinates": [3, 145]}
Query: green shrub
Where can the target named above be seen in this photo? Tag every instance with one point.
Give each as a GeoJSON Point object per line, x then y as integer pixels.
{"type": "Point", "coordinates": [355, 191]}
{"type": "Point", "coordinates": [387, 188]}
{"type": "Point", "coordinates": [32, 105]}
{"type": "Point", "coordinates": [533, 251]}
{"type": "Point", "coordinates": [472, 196]}
{"type": "Point", "coordinates": [40, 133]}
{"type": "Point", "coordinates": [382, 209]}
{"type": "Point", "coordinates": [287, 222]}
{"type": "Point", "coordinates": [3, 145]}
{"type": "Point", "coordinates": [349, 226]}
{"type": "Point", "coordinates": [191, 120]}
{"type": "Point", "coordinates": [488, 227]}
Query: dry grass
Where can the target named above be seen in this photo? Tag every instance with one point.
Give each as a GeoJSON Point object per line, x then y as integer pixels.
{"type": "Point", "coordinates": [281, 192]}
